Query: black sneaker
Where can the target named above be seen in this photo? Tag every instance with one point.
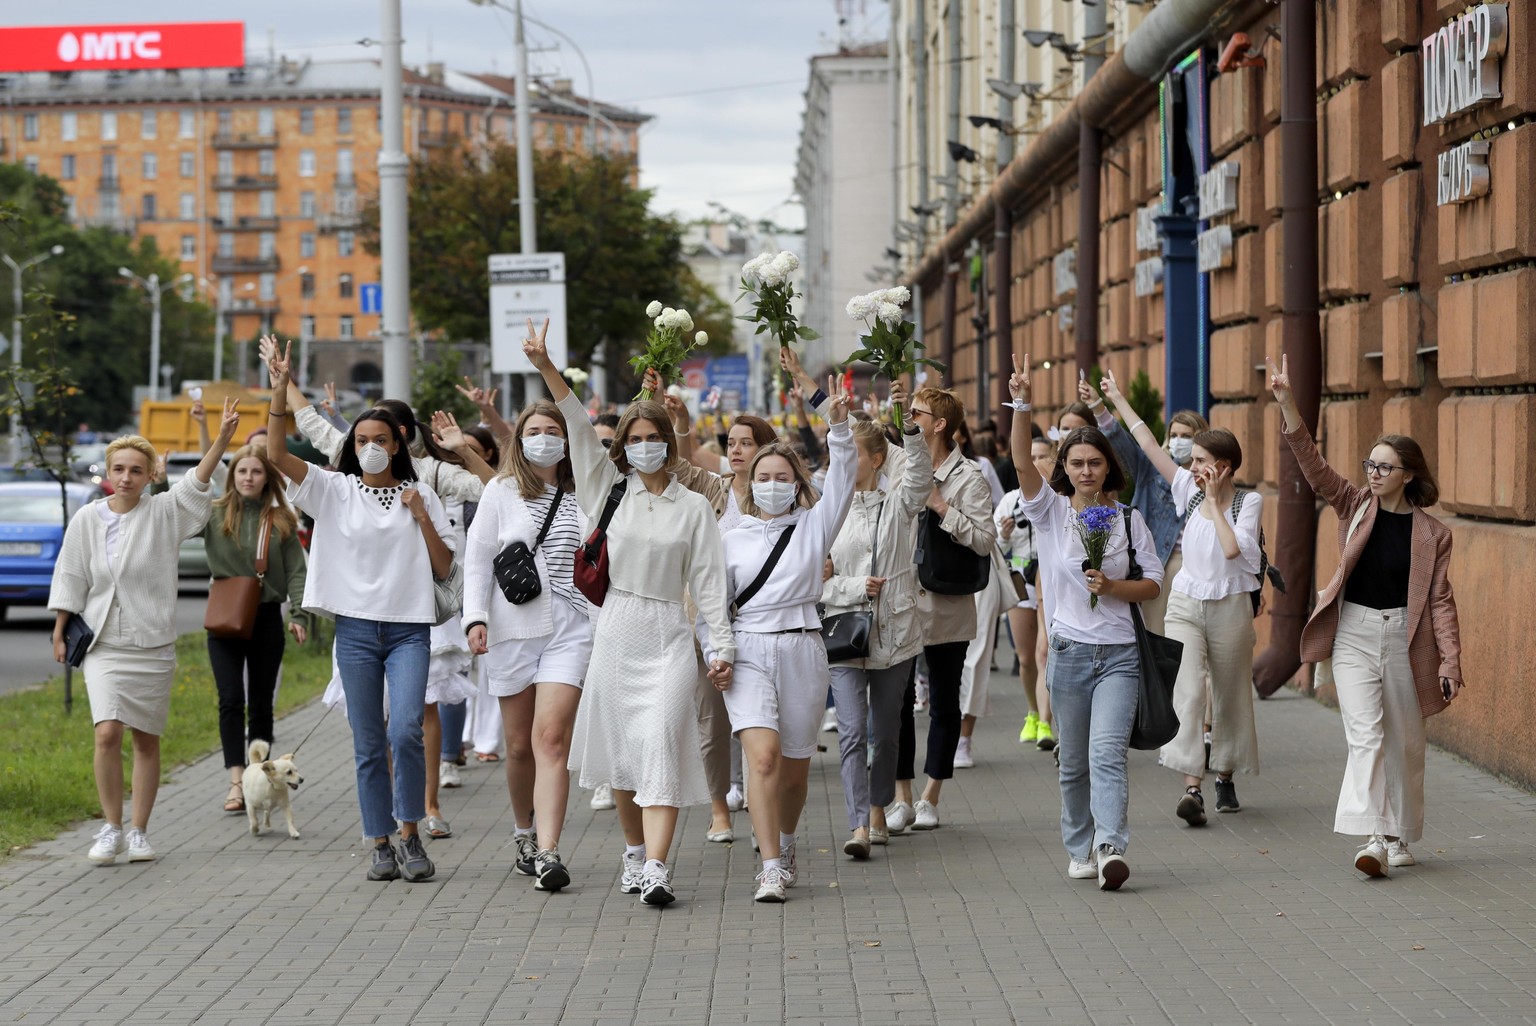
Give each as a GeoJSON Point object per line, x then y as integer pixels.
{"type": "Point", "coordinates": [527, 852]}
{"type": "Point", "coordinates": [1192, 807]}
{"type": "Point", "coordinates": [552, 874]}
{"type": "Point", "coordinates": [1226, 796]}
{"type": "Point", "coordinates": [414, 864]}
{"type": "Point", "coordinates": [385, 865]}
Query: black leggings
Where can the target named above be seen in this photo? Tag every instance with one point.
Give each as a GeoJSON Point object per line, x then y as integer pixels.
{"type": "Point", "coordinates": [946, 666]}
{"type": "Point", "coordinates": [906, 746]}
{"type": "Point", "coordinates": [230, 659]}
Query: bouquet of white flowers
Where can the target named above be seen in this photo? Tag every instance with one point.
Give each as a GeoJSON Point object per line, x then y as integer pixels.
{"type": "Point", "coordinates": [667, 346]}
{"type": "Point", "coordinates": [889, 344]}
{"type": "Point", "coordinates": [766, 279]}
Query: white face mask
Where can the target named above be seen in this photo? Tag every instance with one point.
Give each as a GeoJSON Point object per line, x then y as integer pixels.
{"type": "Point", "coordinates": [544, 450]}
{"type": "Point", "coordinates": [773, 497]}
{"type": "Point", "coordinates": [373, 458]}
{"type": "Point", "coordinates": [646, 457]}
{"type": "Point", "coordinates": [1181, 449]}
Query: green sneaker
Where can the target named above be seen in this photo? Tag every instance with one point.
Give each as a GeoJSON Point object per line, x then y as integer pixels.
{"type": "Point", "coordinates": [1031, 729]}
{"type": "Point", "coordinates": [1044, 739]}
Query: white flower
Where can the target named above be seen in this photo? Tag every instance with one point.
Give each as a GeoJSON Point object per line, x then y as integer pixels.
{"type": "Point", "coordinates": [898, 295]}
{"type": "Point", "coordinates": [577, 376]}
{"type": "Point", "coordinates": [862, 307]}
{"type": "Point", "coordinates": [653, 309]}
{"type": "Point", "coordinates": [701, 339]}
{"type": "Point", "coordinates": [785, 264]}
{"type": "Point", "coordinates": [890, 313]}
{"type": "Point", "coordinates": [684, 322]}
{"type": "Point", "coordinates": [752, 270]}
{"type": "Point", "coordinates": [667, 311]}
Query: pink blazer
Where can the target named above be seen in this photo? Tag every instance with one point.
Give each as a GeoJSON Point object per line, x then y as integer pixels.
{"type": "Point", "coordinates": [1434, 638]}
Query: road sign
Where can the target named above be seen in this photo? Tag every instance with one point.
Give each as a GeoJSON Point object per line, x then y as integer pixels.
{"type": "Point", "coordinates": [370, 298]}
{"type": "Point", "coordinates": [204, 44]}
{"type": "Point", "coordinates": [730, 375]}
{"type": "Point", "coordinates": [523, 286]}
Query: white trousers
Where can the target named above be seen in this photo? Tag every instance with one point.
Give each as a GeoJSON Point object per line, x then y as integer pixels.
{"type": "Point", "coordinates": [482, 729]}
{"type": "Point", "coordinates": [976, 680]}
{"type": "Point", "coordinates": [1217, 668]}
{"type": "Point", "coordinates": [1383, 790]}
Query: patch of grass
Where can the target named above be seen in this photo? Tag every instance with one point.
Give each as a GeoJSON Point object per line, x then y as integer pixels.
{"type": "Point", "coordinates": [46, 776]}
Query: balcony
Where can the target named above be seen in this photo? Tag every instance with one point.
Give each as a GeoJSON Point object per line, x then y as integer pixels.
{"type": "Point", "coordinates": [110, 183]}
{"type": "Point", "coordinates": [335, 222]}
{"type": "Point", "coordinates": [244, 141]}
{"type": "Point", "coordinates": [265, 307]}
{"type": "Point", "coordinates": [116, 222]}
{"type": "Point", "coordinates": [245, 224]}
{"type": "Point", "coordinates": [244, 264]}
{"type": "Point", "coordinates": [435, 140]}
{"type": "Point", "coordinates": [346, 180]}
{"type": "Point", "coordinates": [240, 182]}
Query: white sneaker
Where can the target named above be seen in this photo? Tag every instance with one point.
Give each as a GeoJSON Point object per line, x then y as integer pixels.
{"type": "Point", "coordinates": [789, 867]}
{"type": "Point", "coordinates": [602, 797]}
{"type": "Point", "coordinates": [656, 886]}
{"type": "Point", "coordinates": [1113, 869]}
{"type": "Point", "coordinates": [1372, 860]}
{"type": "Point", "coordinates": [963, 757]}
{"type": "Point", "coordinates": [770, 886]}
{"type": "Point", "coordinates": [1082, 869]}
{"type": "Point", "coordinates": [110, 843]}
{"type": "Point", "coordinates": [734, 799]}
{"type": "Point", "coordinates": [448, 775]}
{"type": "Point", "coordinates": [926, 815]}
{"type": "Point", "coordinates": [138, 846]}
{"type": "Point", "coordinates": [898, 816]}
{"type": "Point", "coordinates": [633, 876]}
{"type": "Point", "coordinates": [921, 699]}
{"type": "Point", "coordinates": [1399, 855]}
{"type": "Point", "coordinates": [829, 722]}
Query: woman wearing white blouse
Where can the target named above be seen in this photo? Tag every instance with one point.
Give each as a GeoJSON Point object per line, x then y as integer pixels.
{"type": "Point", "coordinates": [379, 542]}
{"type": "Point", "coordinates": [1210, 610]}
{"type": "Point", "coordinates": [637, 727]}
{"type": "Point", "coordinates": [117, 570]}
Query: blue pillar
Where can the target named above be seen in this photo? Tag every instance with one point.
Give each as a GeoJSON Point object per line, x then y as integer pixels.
{"type": "Point", "coordinates": [1184, 338]}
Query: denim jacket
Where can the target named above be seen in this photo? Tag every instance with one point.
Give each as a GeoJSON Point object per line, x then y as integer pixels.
{"type": "Point", "coordinates": [1154, 496]}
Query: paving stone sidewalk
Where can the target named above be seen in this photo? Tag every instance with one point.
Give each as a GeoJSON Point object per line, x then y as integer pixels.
{"type": "Point", "coordinates": [1257, 918]}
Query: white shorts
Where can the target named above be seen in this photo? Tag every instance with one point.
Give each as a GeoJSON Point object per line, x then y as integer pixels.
{"type": "Point", "coordinates": [780, 681]}
{"type": "Point", "coordinates": [557, 658]}
{"type": "Point", "coordinates": [1031, 599]}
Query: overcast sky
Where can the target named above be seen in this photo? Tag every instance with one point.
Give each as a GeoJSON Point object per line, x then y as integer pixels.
{"type": "Point", "coordinates": [724, 79]}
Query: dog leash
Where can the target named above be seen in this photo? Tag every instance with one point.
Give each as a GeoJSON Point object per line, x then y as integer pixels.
{"type": "Point", "coordinates": [312, 730]}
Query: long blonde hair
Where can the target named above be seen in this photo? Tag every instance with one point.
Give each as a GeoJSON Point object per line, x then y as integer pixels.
{"type": "Point", "coordinates": [515, 465]}
{"type": "Point", "coordinates": [271, 500]}
{"type": "Point", "coordinates": [805, 494]}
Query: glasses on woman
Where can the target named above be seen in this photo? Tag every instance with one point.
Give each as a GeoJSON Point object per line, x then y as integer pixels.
{"type": "Point", "coordinates": [1374, 469]}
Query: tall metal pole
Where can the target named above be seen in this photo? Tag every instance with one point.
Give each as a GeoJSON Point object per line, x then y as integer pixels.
{"type": "Point", "coordinates": [1002, 227]}
{"type": "Point", "coordinates": [154, 337]}
{"type": "Point", "coordinates": [1085, 323]}
{"type": "Point", "coordinates": [15, 353]}
{"type": "Point", "coordinates": [218, 339]}
{"type": "Point", "coordinates": [525, 199]}
{"type": "Point", "coordinates": [394, 243]}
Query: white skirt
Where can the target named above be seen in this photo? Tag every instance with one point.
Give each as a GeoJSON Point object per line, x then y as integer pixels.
{"type": "Point", "coordinates": [637, 727]}
{"type": "Point", "coordinates": [131, 685]}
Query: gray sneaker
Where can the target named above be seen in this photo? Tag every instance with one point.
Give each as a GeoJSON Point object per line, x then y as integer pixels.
{"type": "Point", "coordinates": [527, 852]}
{"type": "Point", "coordinates": [385, 864]}
{"type": "Point", "coordinates": [414, 864]}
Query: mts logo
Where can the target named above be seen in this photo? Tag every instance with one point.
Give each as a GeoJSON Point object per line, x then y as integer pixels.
{"type": "Point", "coordinates": [109, 46]}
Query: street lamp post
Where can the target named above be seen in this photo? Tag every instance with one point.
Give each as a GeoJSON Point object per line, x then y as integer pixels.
{"type": "Point", "coordinates": [155, 290]}
{"type": "Point", "coordinates": [16, 272]}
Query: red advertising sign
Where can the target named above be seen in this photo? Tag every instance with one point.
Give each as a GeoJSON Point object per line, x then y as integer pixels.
{"type": "Point", "coordinates": [201, 44]}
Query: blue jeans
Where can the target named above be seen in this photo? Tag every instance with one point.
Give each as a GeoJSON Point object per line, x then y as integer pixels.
{"type": "Point", "coordinates": [452, 718]}
{"type": "Point", "coordinates": [365, 651]}
{"type": "Point", "coordinates": [1094, 692]}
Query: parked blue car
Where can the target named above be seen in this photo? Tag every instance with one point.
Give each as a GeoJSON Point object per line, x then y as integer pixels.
{"type": "Point", "coordinates": [31, 534]}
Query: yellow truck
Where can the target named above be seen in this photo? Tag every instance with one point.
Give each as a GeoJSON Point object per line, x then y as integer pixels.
{"type": "Point", "coordinates": [169, 426]}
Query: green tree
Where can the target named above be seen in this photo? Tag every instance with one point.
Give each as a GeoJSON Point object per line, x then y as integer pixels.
{"type": "Point", "coordinates": [618, 255]}
{"type": "Point", "coordinates": [434, 387]}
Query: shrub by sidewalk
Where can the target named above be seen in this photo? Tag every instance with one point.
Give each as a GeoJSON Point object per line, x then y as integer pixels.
{"type": "Point", "coordinates": [46, 779]}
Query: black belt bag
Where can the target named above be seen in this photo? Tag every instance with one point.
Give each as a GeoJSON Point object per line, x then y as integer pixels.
{"type": "Point", "coordinates": [516, 572]}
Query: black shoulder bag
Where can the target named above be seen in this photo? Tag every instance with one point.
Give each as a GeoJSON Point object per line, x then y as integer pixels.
{"type": "Point", "coordinates": [944, 566]}
{"type": "Point", "coordinates": [1158, 660]}
{"type": "Point", "coordinates": [762, 575]}
{"type": "Point", "coordinates": [847, 634]}
{"type": "Point", "coordinates": [514, 566]}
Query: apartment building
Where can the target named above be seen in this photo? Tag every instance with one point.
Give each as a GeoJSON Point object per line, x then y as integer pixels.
{"type": "Point", "coordinates": [254, 178]}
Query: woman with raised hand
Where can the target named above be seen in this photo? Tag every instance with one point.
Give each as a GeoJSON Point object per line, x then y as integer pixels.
{"type": "Point", "coordinates": [535, 653]}
{"type": "Point", "coordinates": [637, 726]}
{"type": "Point", "coordinates": [1094, 670]}
{"type": "Point", "coordinates": [872, 570]}
{"type": "Point", "coordinates": [1210, 610]}
{"type": "Point", "coordinates": [245, 669]}
{"type": "Point", "coordinates": [1016, 535]}
{"type": "Point", "coordinates": [380, 540]}
{"type": "Point", "coordinates": [1388, 621]}
{"type": "Point", "coordinates": [117, 570]}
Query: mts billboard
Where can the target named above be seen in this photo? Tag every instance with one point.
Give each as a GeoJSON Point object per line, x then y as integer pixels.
{"type": "Point", "coordinates": [192, 44]}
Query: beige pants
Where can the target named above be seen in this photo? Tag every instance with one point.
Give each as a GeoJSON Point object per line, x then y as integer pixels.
{"type": "Point", "coordinates": [714, 736]}
{"type": "Point", "coordinates": [1218, 645]}
{"type": "Point", "coordinates": [1383, 790]}
{"type": "Point", "coordinates": [1154, 613]}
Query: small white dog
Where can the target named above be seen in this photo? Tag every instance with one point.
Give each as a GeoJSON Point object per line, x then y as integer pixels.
{"type": "Point", "coordinates": [266, 783]}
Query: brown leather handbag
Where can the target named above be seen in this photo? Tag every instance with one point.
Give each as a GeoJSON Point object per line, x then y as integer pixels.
{"type": "Point", "coordinates": [232, 601]}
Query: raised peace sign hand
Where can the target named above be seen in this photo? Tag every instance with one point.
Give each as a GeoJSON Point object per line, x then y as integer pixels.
{"type": "Point", "coordinates": [1280, 380]}
{"type": "Point", "coordinates": [536, 348]}
{"type": "Point", "coordinates": [1018, 381]}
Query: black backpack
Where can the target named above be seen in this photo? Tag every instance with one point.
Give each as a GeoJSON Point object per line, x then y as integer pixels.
{"type": "Point", "coordinates": [1265, 570]}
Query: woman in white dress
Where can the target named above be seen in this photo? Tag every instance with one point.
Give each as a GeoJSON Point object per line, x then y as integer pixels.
{"type": "Point", "coordinates": [637, 728]}
{"type": "Point", "coordinates": [117, 570]}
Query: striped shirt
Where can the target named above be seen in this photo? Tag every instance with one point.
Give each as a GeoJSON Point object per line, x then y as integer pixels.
{"type": "Point", "coordinates": [559, 546]}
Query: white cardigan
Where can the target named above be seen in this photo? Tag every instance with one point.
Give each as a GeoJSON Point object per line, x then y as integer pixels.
{"type": "Point", "coordinates": [501, 519]}
{"type": "Point", "coordinates": [143, 580]}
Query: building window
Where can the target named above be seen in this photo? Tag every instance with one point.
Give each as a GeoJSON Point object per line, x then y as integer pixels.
{"type": "Point", "coordinates": [306, 163]}
{"type": "Point", "coordinates": [343, 120]}
{"type": "Point", "coordinates": [226, 122]}
{"type": "Point", "coordinates": [226, 164]}
{"type": "Point", "coordinates": [346, 241]}
{"type": "Point", "coordinates": [186, 124]}
{"type": "Point", "coordinates": [69, 207]}
{"type": "Point", "coordinates": [268, 287]}
{"type": "Point", "coordinates": [188, 207]}
{"type": "Point", "coordinates": [109, 125]}
{"type": "Point", "coordinates": [268, 245]}
{"type": "Point", "coordinates": [67, 168]}
{"type": "Point", "coordinates": [187, 164]}
{"type": "Point", "coordinates": [344, 286]}
{"type": "Point", "coordinates": [306, 286]}
{"type": "Point", "coordinates": [307, 121]}
{"type": "Point", "coordinates": [150, 165]}
{"type": "Point", "coordinates": [307, 205]}
{"type": "Point", "coordinates": [344, 327]}
{"type": "Point", "coordinates": [109, 170]}
{"type": "Point", "coordinates": [149, 124]}
{"type": "Point", "coordinates": [307, 326]}
{"type": "Point", "coordinates": [468, 125]}
{"type": "Point", "coordinates": [226, 207]}
{"type": "Point", "coordinates": [266, 162]}
{"type": "Point", "coordinates": [149, 207]}
{"type": "Point", "coordinates": [69, 126]}
{"type": "Point", "coordinates": [344, 165]}
{"type": "Point", "coordinates": [109, 208]}
{"type": "Point", "coordinates": [570, 134]}
{"type": "Point", "coordinates": [267, 205]}
{"type": "Point", "coordinates": [29, 127]}
{"type": "Point", "coordinates": [226, 292]}
{"type": "Point", "coordinates": [306, 245]}
{"type": "Point", "coordinates": [266, 122]}
{"type": "Point", "coordinates": [226, 245]}
{"type": "Point", "coordinates": [189, 247]}
{"type": "Point", "coordinates": [30, 163]}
